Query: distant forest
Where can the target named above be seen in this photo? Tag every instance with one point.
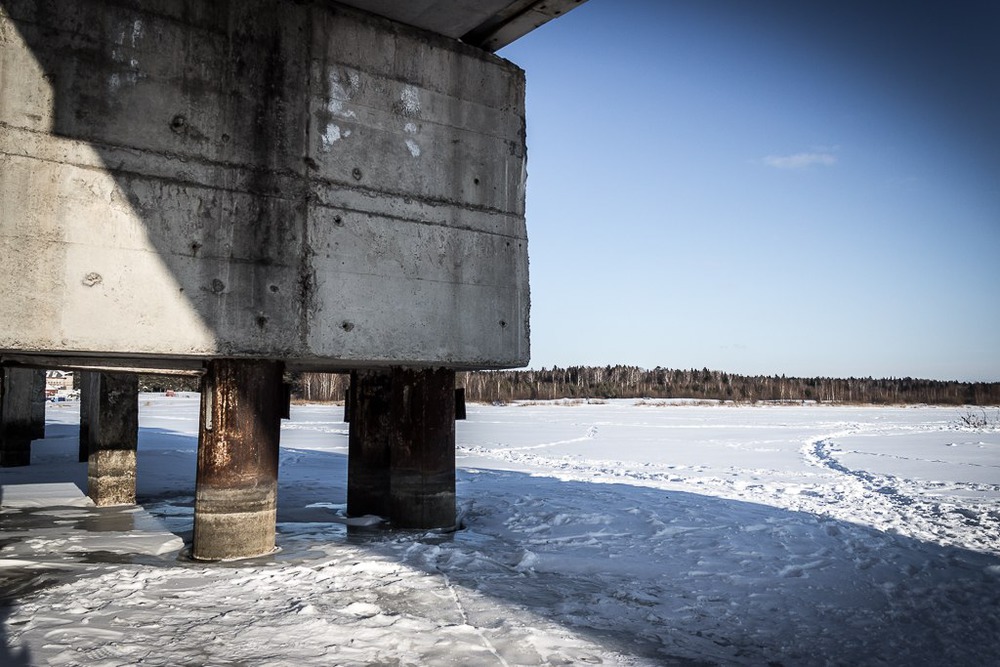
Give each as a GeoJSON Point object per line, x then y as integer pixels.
{"type": "Point", "coordinates": [633, 382]}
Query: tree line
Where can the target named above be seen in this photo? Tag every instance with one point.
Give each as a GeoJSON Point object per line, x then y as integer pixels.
{"type": "Point", "coordinates": [604, 382]}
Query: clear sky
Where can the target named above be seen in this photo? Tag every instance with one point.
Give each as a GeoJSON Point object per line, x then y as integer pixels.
{"type": "Point", "coordinates": [770, 187]}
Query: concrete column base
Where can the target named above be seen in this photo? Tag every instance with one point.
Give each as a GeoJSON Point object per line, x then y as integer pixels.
{"type": "Point", "coordinates": [113, 418]}
{"type": "Point", "coordinates": [111, 477]}
{"type": "Point", "coordinates": [237, 480]}
{"type": "Point", "coordinates": [230, 524]}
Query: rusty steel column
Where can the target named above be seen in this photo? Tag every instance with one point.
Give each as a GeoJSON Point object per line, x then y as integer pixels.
{"type": "Point", "coordinates": [237, 479]}
{"type": "Point", "coordinates": [422, 442]}
{"type": "Point", "coordinates": [19, 414]}
{"type": "Point", "coordinates": [368, 443]}
{"type": "Point", "coordinates": [87, 390]}
{"type": "Point", "coordinates": [113, 418]}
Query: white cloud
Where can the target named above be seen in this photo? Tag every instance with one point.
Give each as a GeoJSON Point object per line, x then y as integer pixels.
{"type": "Point", "coordinates": [800, 160]}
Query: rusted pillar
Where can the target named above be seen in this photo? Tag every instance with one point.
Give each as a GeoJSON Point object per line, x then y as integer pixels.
{"type": "Point", "coordinates": [19, 414]}
{"type": "Point", "coordinates": [368, 443]}
{"type": "Point", "coordinates": [113, 417]}
{"type": "Point", "coordinates": [237, 479]}
{"type": "Point", "coordinates": [88, 386]}
{"type": "Point", "coordinates": [422, 442]}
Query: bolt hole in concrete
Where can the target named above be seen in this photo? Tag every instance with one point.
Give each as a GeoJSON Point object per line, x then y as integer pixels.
{"type": "Point", "coordinates": [92, 278]}
{"type": "Point", "coordinates": [338, 221]}
{"type": "Point", "coordinates": [347, 326]}
{"type": "Point", "coordinates": [356, 173]}
{"type": "Point", "coordinates": [503, 324]}
{"type": "Point", "coordinates": [177, 123]}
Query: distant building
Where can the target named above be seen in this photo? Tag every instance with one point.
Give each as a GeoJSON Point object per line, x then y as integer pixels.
{"type": "Point", "coordinates": [58, 383]}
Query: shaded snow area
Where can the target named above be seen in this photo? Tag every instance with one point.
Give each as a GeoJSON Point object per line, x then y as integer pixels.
{"type": "Point", "coordinates": [619, 533]}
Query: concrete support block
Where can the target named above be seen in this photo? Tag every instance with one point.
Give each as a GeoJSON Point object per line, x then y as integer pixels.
{"type": "Point", "coordinates": [422, 441]}
{"type": "Point", "coordinates": [22, 406]}
{"type": "Point", "coordinates": [310, 183]}
{"type": "Point", "coordinates": [368, 445]}
{"type": "Point", "coordinates": [237, 479]}
{"type": "Point", "coordinates": [113, 417]}
{"type": "Point", "coordinates": [401, 457]}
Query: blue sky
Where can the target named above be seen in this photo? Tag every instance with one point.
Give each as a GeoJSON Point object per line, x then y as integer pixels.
{"type": "Point", "coordinates": [773, 187]}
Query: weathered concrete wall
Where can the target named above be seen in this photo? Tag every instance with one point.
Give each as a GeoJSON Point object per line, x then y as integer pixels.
{"type": "Point", "coordinates": [274, 179]}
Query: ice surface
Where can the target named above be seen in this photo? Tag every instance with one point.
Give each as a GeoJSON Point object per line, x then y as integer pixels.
{"type": "Point", "coordinates": [43, 495]}
{"type": "Point", "coordinates": [612, 533]}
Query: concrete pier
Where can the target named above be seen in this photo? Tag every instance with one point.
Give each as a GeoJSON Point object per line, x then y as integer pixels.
{"type": "Point", "coordinates": [113, 430]}
{"type": "Point", "coordinates": [38, 404]}
{"type": "Point", "coordinates": [87, 389]}
{"type": "Point", "coordinates": [369, 457]}
{"type": "Point", "coordinates": [237, 479]}
{"type": "Point", "coordinates": [22, 413]}
{"type": "Point", "coordinates": [401, 458]}
{"type": "Point", "coordinates": [422, 440]}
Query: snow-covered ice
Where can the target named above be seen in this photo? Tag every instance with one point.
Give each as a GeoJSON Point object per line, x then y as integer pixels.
{"type": "Point", "coordinates": [626, 532]}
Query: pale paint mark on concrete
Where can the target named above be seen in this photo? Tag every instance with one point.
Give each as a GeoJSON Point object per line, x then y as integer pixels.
{"type": "Point", "coordinates": [330, 136]}
{"type": "Point", "coordinates": [409, 102]}
{"type": "Point", "coordinates": [339, 94]}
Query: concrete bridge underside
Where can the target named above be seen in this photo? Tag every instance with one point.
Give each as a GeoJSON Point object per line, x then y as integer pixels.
{"type": "Point", "coordinates": [238, 189]}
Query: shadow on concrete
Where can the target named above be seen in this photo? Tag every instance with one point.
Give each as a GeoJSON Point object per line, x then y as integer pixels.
{"type": "Point", "coordinates": [213, 172]}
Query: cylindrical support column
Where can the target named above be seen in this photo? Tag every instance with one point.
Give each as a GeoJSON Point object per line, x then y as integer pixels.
{"type": "Point", "coordinates": [113, 415]}
{"type": "Point", "coordinates": [422, 475]}
{"type": "Point", "coordinates": [19, 414]}
{"type": "Point", "coordinates": [368, 457]}
{"type": "Point", "coordinates": [237, 479]}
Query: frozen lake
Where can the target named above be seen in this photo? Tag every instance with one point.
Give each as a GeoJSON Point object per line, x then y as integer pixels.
{"type": "Point", "coordinates": [623, 532]}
